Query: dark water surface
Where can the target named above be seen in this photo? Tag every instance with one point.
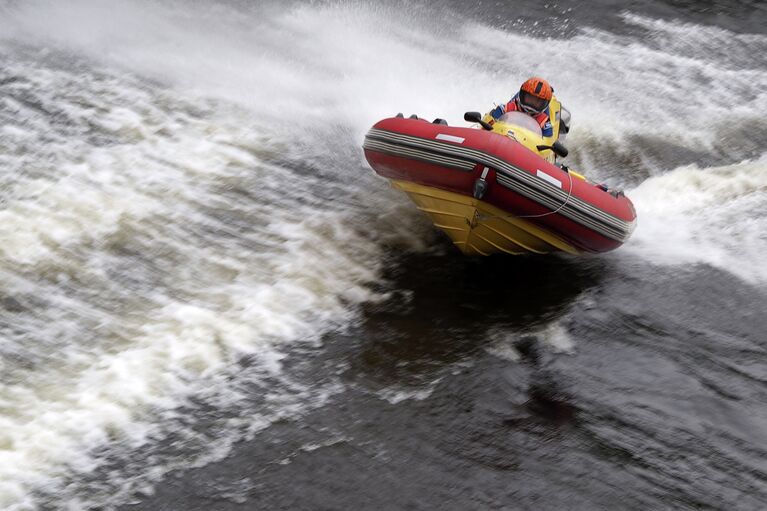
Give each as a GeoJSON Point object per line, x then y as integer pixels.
{"type": "Point", "coordinates": [209, 301]}
{"type": "Point", "coordinates": [659, 405]}
{"type": "Point", "coordinates": [458, 397]}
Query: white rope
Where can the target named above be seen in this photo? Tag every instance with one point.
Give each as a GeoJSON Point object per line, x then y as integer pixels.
{"type": "Point", "coordinates": [569, 194]}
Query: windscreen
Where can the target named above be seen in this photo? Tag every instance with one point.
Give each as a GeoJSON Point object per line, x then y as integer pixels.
{"type": "Point", "coordinates": [522, 120]}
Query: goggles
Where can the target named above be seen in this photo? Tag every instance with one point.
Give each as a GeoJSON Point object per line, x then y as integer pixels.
{"type": "Point", "coordinates": [532, 104]}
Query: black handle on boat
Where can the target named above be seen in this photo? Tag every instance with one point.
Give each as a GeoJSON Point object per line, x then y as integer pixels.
{"type": "Point", "coordinates": [477, 117]}
{"type": "Point", "coordinates": [558, 148]}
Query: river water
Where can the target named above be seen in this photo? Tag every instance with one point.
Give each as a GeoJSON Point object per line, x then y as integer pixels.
{"type": "Point", "coordinates": [209, 301]}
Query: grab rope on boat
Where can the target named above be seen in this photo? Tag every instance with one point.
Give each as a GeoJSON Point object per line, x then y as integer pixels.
{"type": "Point", "coordinates": [567, 200]}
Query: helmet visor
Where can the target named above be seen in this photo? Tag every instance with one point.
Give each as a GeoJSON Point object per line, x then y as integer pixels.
{"type": "Point", "coordinates": [532, 103]}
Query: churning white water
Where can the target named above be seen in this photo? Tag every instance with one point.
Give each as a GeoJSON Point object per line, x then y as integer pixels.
{"type": "Point", "coordinates": [183, 189]}
{"type": "Point", "coordinates": [715, 216]}
{"type": "Point", "coordinates": [139, 268]}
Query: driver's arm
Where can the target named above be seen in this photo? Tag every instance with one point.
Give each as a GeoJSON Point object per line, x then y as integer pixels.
{"type": "Point", "coordinates": [547, 130]}
{"type": "Point", "coordinates": [494, 114]}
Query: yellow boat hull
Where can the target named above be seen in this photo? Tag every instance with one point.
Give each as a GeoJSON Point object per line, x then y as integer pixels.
{"type": "Point", "coordinates": [478, 228]}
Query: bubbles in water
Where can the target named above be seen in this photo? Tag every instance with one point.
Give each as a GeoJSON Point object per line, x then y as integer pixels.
{"type": "Point", "coordinates": [714, 216]}
{"type": "Point", "coordinates": [185, 187]}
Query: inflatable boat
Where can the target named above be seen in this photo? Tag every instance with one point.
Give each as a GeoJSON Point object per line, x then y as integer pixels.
{"type": "Point", "coordinates": [498, 189]}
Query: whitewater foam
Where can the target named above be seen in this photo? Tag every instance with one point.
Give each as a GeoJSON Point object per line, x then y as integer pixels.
{"type": "Point", "coordinates": [131, 283]}
{"type": "Point", "coordinates": [713, 216]}
{"type": "Point", "coordinates": [388, 60]}
{"type": "Point", "coordinates": [153, 239]}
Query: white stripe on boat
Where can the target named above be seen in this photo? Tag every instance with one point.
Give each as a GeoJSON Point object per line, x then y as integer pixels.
{"type": "Point", "coordinates": [450, 138]}
{"type": "Point", "coordinates": [546, 177]}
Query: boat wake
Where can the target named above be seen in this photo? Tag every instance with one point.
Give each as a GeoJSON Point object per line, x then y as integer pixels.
{"type": "Point", "coordinates": [715, 216]}
{"type": "Point", "coordinates": [185, 199]}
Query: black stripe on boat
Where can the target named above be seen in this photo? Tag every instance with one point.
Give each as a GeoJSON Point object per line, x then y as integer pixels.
{"type": "Point", "coordinates": [514, 178]}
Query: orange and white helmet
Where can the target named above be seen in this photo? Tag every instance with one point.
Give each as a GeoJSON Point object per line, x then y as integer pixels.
{"type": "Point", "coordinates": [534, 95]}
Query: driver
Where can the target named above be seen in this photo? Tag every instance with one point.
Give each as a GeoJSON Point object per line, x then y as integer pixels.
{"type": "Point", "coordinates": [533, 99]}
